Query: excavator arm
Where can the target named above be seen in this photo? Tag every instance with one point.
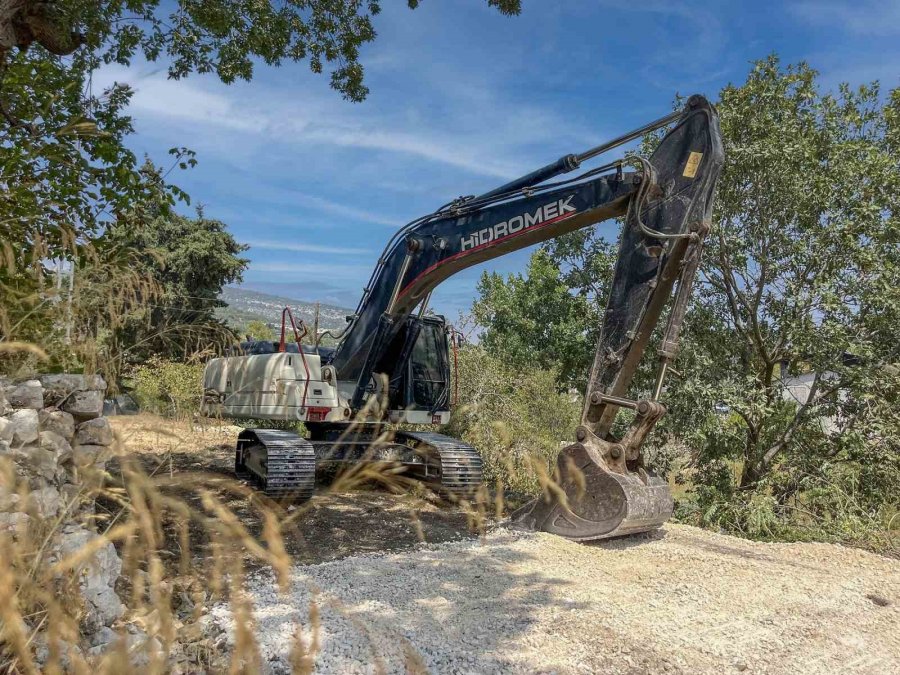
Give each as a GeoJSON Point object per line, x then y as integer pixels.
{"type": "Point", "coordinates": [666, 203]}
{"type": "Point", "coordinates": [600, 487]}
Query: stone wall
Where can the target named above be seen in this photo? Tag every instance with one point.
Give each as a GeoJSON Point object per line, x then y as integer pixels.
{"type": "Point", "coordinates": [55, 444]}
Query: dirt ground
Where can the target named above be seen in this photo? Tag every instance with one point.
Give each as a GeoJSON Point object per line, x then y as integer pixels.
{"type": "Point", "coordinates": [334, 524]}
{"type": "Point", "coordinates": [680, 600]}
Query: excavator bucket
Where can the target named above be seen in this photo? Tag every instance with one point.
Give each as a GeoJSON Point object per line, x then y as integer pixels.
{"type": "Point", "coordinates": [591, 501]}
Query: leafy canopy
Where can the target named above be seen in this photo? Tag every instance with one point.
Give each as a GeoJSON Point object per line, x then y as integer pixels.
{"type": "Point", "coordinates": [190, 260]}
{"type": "Point", "coordinates": [790, 366]}
{"type": "Point", "coordinates": [224, 37]}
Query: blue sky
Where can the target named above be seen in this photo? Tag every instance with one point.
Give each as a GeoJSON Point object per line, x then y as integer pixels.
{"type": "Point", "coordinates": [462, 99]}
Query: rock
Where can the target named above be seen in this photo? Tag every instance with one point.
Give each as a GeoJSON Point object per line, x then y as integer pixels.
{"type": "Point", "coordinates": [41, 464]}
{"type": "Point", "coordinates": [14, 522]}
{"type": "Point", "coordinates": [94, 432]}
{"type": "Point", "coordinates": [87, 455]}
{"type": "Point", "coordinates": [99, 575]}
{"type": "Point", "coordinates": [46, 502]}
{"type": "Point", "coordinates": [9, 499]}
{"type": "Point", "coordinates": [57, 421]}
{"type": "Point", "coordinates": [52, 441]}
{"type": "Point", "coordinates": [123, 404]}
{"type": "Point", "coordinates": [78, 500]}
{"type": "Point", "coordinates": [28, 394]}
{"type": "Point", "coordinates": [4, 406]}
{"type": "Point", "coordinates": [5, 430]}
{"type": "Point", "coordinates": [4, 447]}
{"type": "Point", "coordinates": [60, 386]}
{"type": "Point", "coordinates": [104, 637]}
{"type": "Point", "coordinates": [66, 652]}
{"type": "Point", "coordinates": [84, 405]}
{"type": "Point", "coordinates": [24, 427]}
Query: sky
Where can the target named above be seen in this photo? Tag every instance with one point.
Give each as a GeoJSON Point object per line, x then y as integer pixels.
{"type": "Point", "coordinates": [462, 100]}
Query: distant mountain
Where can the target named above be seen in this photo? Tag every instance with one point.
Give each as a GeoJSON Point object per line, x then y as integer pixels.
{"type": "Point", "coordinates": [245, 306]}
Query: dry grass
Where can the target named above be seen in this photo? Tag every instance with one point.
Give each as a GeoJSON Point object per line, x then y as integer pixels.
{"type": "Point", "coordinates": [158, 518]}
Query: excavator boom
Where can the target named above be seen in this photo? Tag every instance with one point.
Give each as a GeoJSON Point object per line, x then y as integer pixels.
{"type": "Point", "coordinates": [387, 354]}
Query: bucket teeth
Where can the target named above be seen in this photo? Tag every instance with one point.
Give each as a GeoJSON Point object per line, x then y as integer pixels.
{"type": "Point", "coordinates": [599, 503]}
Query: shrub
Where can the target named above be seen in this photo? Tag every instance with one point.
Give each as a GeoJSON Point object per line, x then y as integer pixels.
{"type": "Point", "coordinates": [518, 421]}
{"type": "Point", "coordinates": [169, 388]}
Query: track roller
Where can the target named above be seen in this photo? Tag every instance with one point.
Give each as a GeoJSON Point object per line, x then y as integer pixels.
{"type": "Point", "coordinates": [282, 463]}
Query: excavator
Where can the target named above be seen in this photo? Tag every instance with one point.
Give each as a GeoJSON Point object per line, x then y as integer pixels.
{"type": "Point", "coordinates": [391, 366]}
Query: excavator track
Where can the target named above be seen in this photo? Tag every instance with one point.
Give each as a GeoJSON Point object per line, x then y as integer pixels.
{"type": "Point", "coordinates": [282, 463]}
{"type": "Point", "coordinates": [459, 464]}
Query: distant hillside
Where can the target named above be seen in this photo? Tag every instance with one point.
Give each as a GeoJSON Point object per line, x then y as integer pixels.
{"type": "Point", "coordinates": [245, 306]}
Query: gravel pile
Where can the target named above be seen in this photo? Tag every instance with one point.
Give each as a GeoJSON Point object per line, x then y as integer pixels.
{"type": "Point", "coordinates": [683, 600]}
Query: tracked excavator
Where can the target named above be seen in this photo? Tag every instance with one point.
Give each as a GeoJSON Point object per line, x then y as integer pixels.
{"type": "Point", "coordinates": [392, 364]}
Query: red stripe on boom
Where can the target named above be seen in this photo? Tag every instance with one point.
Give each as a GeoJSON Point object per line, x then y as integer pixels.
{"type": "Point", "coordinates": [493, 242]}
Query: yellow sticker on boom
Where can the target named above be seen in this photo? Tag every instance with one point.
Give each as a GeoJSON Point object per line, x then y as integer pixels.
{"type": "Point", "coordinates": [690, 169]}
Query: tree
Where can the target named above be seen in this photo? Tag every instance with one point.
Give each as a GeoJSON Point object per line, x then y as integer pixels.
{"type": "Point", "coordinates": [65, 175]}
{"type": "Point", "coordinates": [258, 330]}
{"type": "Point", "coordinates": [218, 36]}
{"type": "Point", "coordinates": [189, 260]}
{"type": "Point", "coordinates": [534, 321]}
{"type": "Point", "coordinates": [799, 278]}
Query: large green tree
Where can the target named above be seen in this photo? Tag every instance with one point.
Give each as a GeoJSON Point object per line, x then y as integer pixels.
{"type": "Point", "coordinates": [788, 385]}
{"type": "Point", "coordinates": [799, 282]}
{"type": "Point", "coordinates": [189, 260]}
{"type": "Point", "coordinates": [218, 36]}
{"type": "Point", "coordinates": [535, 321]}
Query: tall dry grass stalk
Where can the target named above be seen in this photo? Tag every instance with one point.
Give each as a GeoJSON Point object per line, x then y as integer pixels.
{"type": "Point", "coordinates": [159, 520]}
{"type": "Point", "coordinates": [182, 545]}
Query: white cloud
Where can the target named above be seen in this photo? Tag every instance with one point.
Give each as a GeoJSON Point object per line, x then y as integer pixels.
{"type": "Point", "coordinates": [300, 271]}
{"type": "Point", "coordinates": [878, 18]}
{"type": "Point", "coordinates": [210, 107]}
{"type": "Point", "coordinates": [473, 129]}
{"type": "Point", "coordinates": [329, 206]}
{"type": "Point", "coordinates": [157, 96]}
{"type": "Point", "coordinates": [300, 247]}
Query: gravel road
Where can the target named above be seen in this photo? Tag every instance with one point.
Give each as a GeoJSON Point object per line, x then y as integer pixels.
{"type": "Point", "coordinates": [682, 600]}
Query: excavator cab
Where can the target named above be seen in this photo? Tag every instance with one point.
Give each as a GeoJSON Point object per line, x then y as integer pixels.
{"type": "Point", "coordinates": [420, 362]}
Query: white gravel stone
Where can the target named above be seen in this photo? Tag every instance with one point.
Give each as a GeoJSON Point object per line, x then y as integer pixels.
{"type": "Point", "coordinates": [28, 394]}
{"type": "Point", "coordinates": [23, 427]}
{"type": "Point", "coordinates": [683, 601]}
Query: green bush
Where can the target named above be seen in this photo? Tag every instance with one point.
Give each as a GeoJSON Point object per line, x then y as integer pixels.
{"type": "Point", "coordinates": [518, 421]}
{"type": "Point", "coordinates": [169, 388]}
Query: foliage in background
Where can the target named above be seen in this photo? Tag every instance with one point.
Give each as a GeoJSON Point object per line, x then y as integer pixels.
{"type": "Point", "coordinates": [190, 259]}
{"type": "Point", "coordinates": [169, 388]}
{"type": "Point", "coordinates": [257, 330]}
{"type": "Point", "coordinates": [515, 418]}
{"type": "Point", "coordinates": [533, 320]}
{"type": "Point", "coordinates": [65, 175]}
{"type": "Point", "coordinates": [799, 277]}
